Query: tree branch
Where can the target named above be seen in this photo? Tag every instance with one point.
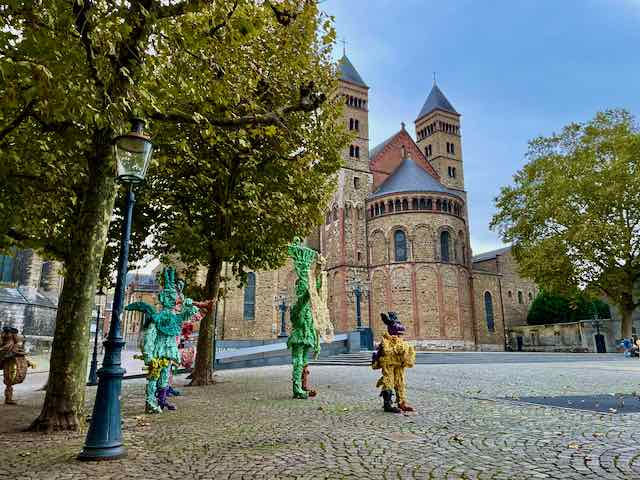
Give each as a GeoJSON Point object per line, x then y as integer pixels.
{"type": "Point", "coordinates": [160, 11]}
{"type": "Point", "coordinates": [84, 27]}
{"type": "Point", "coordinates": [22, 237]}
{"type": "Point", "coordinates": [216, 28]}
{"type": "Point", "coordinates": [49, 126]}
{"type": "Point", "coordinates": [26, 111]}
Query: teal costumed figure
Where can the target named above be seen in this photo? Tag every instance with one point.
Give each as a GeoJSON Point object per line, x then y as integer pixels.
{"type": "Point", "coordinates": [159, 348]}
{"type": "Point", "coordinates": [309, 315]}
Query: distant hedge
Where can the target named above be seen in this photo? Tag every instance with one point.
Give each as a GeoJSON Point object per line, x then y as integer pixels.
{"type": "Point", "coordinates": [554, 308]}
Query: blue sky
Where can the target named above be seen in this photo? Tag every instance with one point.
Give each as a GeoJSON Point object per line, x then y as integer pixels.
{"type": "Point", "coordinates": [514, 69]}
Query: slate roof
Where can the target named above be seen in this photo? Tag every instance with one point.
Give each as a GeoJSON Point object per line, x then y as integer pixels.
{"type": "Point", "coordinates": [349, 73]}
{"type": "Point", "coordinates": [26, 296]}
{"type": "Point", "coordinates": [482, 257]}
{"type": "Point", "coordinates": [410, 177]}
{"type": "Point", "coordinates": [436, 100]}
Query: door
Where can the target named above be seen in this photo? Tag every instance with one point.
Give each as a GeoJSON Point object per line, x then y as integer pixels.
{"type": "Point", "coordinates": [600, 345]}
{"type": "Point", "coordinates": [520, 343]}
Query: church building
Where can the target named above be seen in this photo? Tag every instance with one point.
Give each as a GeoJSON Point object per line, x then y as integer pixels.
{"type": "Point", "coordinates": [396, 238]}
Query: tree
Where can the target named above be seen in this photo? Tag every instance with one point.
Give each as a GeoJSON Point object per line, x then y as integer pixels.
{"type": "Point", "coordinates": [71, 75]}
{"type": "Point", "coordinates": [574, 211]}
{"type": "Point", "coordinates": [550, 307]}
{"type": "Point", "coordinates": [239, 195]}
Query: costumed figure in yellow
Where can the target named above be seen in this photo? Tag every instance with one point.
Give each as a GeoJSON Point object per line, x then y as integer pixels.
{"type": "Point", "coordinates": [13, 362]}
{"type": "Point", "coordinates": [393, 356]}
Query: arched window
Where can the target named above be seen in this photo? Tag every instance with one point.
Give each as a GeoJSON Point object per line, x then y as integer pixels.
{"type": "Point", "coordinates": [371, 211]}
{"type": "Point", "coordinates": [444, 246]}
{"type": "Point", "coordinates": [414, 204]}
{"type": "Point", "coordinates": [438, 205]}
{"type": "Point", "coordinates": [357, 125]}
{"type": "Point", "coordinates": [520, 297]}
{"type": "Point", "coordinates": [377, 209]}
{"type": "Point", "coordinates": [398, 205]}
{"type": "Point", "coordinates": [390, 205]}
{"type": "Point", "coordinates": [423, 204]}
{"type": "Point", "coordinates": [405, 204]}
{"type": "Point", "coordinates": [351, 151]}
{"type": "Point", "coordinates": [530, 296]}
{"type": "Point", "coordinates": [250, 297]}
{"type": "Point", "coordinates": [382, 207]}
{"type": "Point", "coordinates": [351, 124]}
{"type": "Point", "coordinates": [400, 244]}
{"type": "Point", "coordinates": [357, 152]}
{"type": "Point", "coordinates": [429, 204]}
{"type": "Point", "coordinates": [488, 311]}
{"type": "Point", "coordinates": [335, 213]}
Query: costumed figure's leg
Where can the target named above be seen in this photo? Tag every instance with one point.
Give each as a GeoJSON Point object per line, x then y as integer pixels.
{"type": "Point", "coordinates": [401, 396]}
{"type": "Point", "coordinates": [9, 374]}
{"type": "Point", "coordinates": [172, 391]}
{"type": "Point", "coordinates": [305, 381]}
{"type": "Point", "coordinates": [387, 383]}
{"type": "Point", "coordinates": [152, 387]}
{"type": "Point", "coordinates": [298, 359]}
{"type": "Point", "coordinates": [163, 388]}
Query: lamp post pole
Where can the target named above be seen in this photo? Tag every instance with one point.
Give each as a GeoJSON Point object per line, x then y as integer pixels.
{"type": "Point", "coordinates": [93, 377]}
{"type": "Point", "coordinates": [281, 302]}
{"type": "Point", "coordinates": [358, 293]}
{"type": "Point", "coordinates": [104, 438]}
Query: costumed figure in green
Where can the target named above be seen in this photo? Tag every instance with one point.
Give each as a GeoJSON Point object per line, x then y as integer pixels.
{"type": "Point", "coordinates": [159, 348]}
{"type": "Point", "coordinates": [309, 315]}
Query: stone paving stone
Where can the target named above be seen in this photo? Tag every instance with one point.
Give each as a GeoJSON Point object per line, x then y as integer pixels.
{"type": "Point", "coordinates": [247, 427]}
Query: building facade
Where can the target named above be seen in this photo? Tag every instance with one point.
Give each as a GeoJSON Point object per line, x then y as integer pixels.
{"type": "Point", "coordinates": [396, 238]}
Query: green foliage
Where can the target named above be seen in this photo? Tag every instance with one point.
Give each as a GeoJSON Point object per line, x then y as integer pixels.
{"type": "Point", "coordinates": [574, 211]}
{"type": "Point", "coordinates": [552, 308]}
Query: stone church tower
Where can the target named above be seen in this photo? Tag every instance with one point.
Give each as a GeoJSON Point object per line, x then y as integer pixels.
{"type": "Point", "coordinates": [344, 237]}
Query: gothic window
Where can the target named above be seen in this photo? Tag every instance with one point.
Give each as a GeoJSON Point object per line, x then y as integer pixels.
{"type": "Point", "coordinates": [351, 151]}
{"type": "Point", "coordinates": [398, 205]}
{"type": "Point", "coordinates": [488, 311]}
{"type": "Point", "coordinates": [520, 300]}
{"type": "Point", "coordinates": [405, 204]}
{"type": "Point", "coordinates": [356, 183]}
{"type": "Point", "coordinates": [351, 124]}
{"type": "Point", "coordinates": [250, 297]}
{"type": "Point", "coordinates": [400, 245]}
{"type": "Point", "coordinates": [359, 256]}
{"type": "Point", "coordinates": [357, 152]}
{"type": "Point", "coordinates": [423, 204]}
{"type": "Point", "coordinates": [357, 125]}
{"type": "Point", "coordinates": [414, 204]}
{"type": "Point", "coordinates": [444, 246]}
{"type": "Point", "coordinates": [335, 213]}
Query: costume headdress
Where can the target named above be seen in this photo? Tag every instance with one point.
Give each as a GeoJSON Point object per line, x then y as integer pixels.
{"type": "Point", "coordinates": [394, 326]}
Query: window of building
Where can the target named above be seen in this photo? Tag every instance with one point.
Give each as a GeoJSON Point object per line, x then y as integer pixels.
{"type": "Point", "coordinates": [357, 152]}
{"type": "Point", "coordinates": [382, 207]}
{"type": "Point", "coordinates": [359, 256]}
{"type": "Point", "coordinates": [356, 183]}
{"type": "Point", "coordinates": [351, 124]}
{"type": "Point", "coordinates": [390, 206]}
{"type": "Point", "coordinates": [405, 204]}
{"type": "Point", "coordinates": [376, 209]}
{"type": "Point", "coordinates": [400, 244]}
{"type": "Point", "coordinates": [250, 297]}
{"type": "Point", "coordinates": [453, 149]}
{"type": "Point", "coordinates": [450, 171]}
{"type": "Point", "coordinates": [444, 246]}
{"type": "Point", "coordinates": [520, 297]}
{"type": "Point", "coordinates": [453, 172]}
{"type": "Point", "coordinates": [509, 294]}
{"type": "Point", "coordinates": [447, 147]}
{"type": "Point", "coordinates": [398, 205]}
{"type": "Point", "coordinates": [357, 125]}
{"type": "Point", "coordinates": [335, 213]}
{"type": "Point", "coordinates": [352, 151]}
{"type": "Point", "coordinates": [530, 296]}
{"type": "Point", "coordinates": [423, 204]}
{"type": "Point", "coordinates": [488, 311]}
{"type": "Point", "coordinates": [414, 204]}
{"type": "Point", "coordinates": [429, 204]}
{"type": "Point", "coordinates": [6, 268]}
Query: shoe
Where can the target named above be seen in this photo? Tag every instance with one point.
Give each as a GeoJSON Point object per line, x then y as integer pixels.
{"type": "Point", "coordinates": [405, 408]}
{"type": "Point", "coordinates": [162, 400]}
{"type": "Point", "coordinates": [387, 406]}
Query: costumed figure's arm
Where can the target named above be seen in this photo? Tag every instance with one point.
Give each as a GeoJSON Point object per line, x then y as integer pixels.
{"type": "Point", "coordinates": [188, 310]}
{"type": "Point", "coordinates": [143, 307]}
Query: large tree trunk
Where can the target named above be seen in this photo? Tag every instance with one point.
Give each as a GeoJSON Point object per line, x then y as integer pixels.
{"type": "Point", "coordinates": [63, 407]}
{"type": "Point", "coordinates": [626, 324]}
{"type": "Point", "coordinates": [203, 370]}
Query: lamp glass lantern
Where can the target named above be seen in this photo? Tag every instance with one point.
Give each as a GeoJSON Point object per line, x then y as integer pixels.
{"type": "Point", "coordinates": [133, 153]}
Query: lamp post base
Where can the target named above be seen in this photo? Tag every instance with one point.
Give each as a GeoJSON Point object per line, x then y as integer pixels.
{"type": "Point", "coordinates": [93, 376]}
{"type": "Point", "coordinates": [97, 454]}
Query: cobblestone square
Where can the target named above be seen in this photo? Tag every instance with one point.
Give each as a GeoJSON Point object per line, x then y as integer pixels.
{"type": "Point", "coordinates": [248, 427]}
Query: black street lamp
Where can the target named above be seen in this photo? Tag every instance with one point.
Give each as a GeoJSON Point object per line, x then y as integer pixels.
{"type": "Point", "coordinates": [281, 302]}
{"type": "Point", "coordinates": [104, 439]}
{"type": "Point", "coordinates": [93, 377]}
{"type": "Point", "coordinates": [358, 289]}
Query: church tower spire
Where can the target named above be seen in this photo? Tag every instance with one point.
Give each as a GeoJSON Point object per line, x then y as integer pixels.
{"type": "Point", "coordinates": [438, 135]}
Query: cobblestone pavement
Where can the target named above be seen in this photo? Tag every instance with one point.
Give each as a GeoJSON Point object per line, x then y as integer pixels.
{"type": "Point", "coordinates": [248, 427]}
